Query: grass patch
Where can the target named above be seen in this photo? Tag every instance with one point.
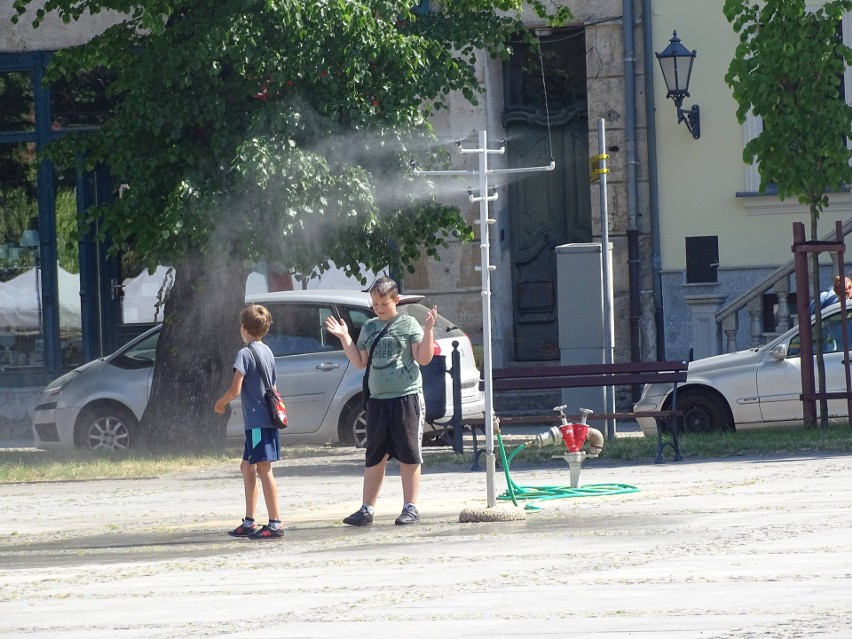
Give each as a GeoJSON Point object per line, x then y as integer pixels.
{"type": "Point", "coordinates": [769, 442]}
{"type": "Point", "coordinates": [30, 465]}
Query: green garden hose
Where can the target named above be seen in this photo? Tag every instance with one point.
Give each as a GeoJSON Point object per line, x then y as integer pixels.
{"type": "Point", "coordinates": [544, 493]}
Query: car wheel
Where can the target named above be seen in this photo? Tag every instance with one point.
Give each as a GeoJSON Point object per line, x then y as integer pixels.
{"type": "Point", "coordinates": [702, 413]}
{"type": "Point", "coordinates": [353, 429]}
{"type": "Point", "coordinates": [106, 427]}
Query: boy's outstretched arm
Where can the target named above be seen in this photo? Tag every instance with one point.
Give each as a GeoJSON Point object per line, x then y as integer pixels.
{"type": "Point", "coordinates": [341, 331]}
{"type": "Point", "coordinates": [232, 393]}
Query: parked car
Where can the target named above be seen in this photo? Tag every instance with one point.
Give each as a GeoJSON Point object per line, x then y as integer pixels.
{"type": "Point", "coordinates": [756, 388]}
{"type": "Point", "coordinates": [99, 404]}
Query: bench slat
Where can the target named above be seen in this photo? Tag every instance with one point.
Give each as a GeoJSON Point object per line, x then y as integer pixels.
{"type": "Point", "coordinates": [577, 381]}
{"type": "Point", "coordinates": [508, 420]}
{"type": "Point", "coordinates": [589, 369]}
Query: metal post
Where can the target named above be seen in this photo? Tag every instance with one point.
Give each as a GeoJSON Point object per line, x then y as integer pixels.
{"type": "Point", "coordinates": [456, 421]}
{"type": "Point", "coordinates": [485, 269]}
{"type": "Point", "coordinates": [609, 336]}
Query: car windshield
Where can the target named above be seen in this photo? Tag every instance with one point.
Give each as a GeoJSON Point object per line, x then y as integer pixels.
{"type": "Point", "coordinates": [138, 355]}
{"type": "Point", "coordinates": [443, 327]}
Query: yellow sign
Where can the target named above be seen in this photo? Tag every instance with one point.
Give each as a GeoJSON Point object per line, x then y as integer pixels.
{"type": "Point", "coordinates": [595, 168]}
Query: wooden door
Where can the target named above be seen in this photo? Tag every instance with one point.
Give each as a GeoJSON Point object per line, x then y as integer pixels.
{"type": "Point", "coordinates": [547, 209]}
{"type": "Point", "coordinates": [545, 115]}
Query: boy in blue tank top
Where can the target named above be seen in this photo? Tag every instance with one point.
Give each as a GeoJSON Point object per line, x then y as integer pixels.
{"type": "Point", "coordinates": [262, 446]}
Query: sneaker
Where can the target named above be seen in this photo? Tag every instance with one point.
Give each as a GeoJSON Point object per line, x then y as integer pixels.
{"type": "Point", "coordinates": [268, 533]}
{"type": "Point", "coordinates": [243, 531]}
{"type": "Point", "coordinates": [359, 518]}
{"type": "Point", "coordinates": [408, 515]}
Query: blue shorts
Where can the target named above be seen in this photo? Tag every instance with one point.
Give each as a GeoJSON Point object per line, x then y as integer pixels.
{"type": "Point", "coordinates": [262, 444]}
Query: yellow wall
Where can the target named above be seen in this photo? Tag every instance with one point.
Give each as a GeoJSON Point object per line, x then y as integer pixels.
{"type": "Point", "coordinates": [698, 179]}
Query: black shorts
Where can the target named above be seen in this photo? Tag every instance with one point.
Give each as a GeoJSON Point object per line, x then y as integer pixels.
{"type": "Point", "coordinates": [395, 428]}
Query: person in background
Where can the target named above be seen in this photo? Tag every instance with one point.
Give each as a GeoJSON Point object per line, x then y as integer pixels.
{"type": "Point", "coordinates": [832, 296]}
{"type": "Point", "coordinates": [262, 445]}
{"type": "Point", "coordinates": [395, 410]}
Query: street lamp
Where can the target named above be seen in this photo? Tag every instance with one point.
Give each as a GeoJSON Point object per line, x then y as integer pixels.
{"type": "Point", "coordinates": [676, 64]}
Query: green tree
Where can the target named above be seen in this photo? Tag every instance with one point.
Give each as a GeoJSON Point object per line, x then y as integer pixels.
{"type": "Point", "coordinates": [788, 70]}
{"type": "Point", "coordinates": [275, 130]}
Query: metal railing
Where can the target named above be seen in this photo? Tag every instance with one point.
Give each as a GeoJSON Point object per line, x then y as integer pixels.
{"type": "Point", "coordinates": [777, 282]}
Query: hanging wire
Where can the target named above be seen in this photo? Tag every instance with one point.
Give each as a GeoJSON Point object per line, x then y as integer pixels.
{"type": "Point", "coordinates": [546, 106]}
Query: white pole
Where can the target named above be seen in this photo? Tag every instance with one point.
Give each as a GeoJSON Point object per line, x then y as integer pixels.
{"type": "Point", "coordinates": [486, 268]}
{"type": "Point", "coordinates": [609, 334]}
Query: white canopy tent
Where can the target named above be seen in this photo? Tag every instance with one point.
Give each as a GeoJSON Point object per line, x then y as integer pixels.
{"type": "Point", "coordinates": [20, 301]}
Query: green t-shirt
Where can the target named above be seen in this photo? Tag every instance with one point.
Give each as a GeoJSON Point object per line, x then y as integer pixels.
{"type": "Point", "coordinates": [393, 371]}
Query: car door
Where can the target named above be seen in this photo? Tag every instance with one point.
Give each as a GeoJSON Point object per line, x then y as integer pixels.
{"type": "Point", "coordinates": [780, 382]}
{"type": "Point", "coordinates": [309, 366]}
{"type": "Point", "coordinates": [834, 357]}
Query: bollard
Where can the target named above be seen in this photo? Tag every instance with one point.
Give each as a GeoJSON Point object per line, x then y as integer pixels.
{"type": "Point", "coordinates": [456, 421]}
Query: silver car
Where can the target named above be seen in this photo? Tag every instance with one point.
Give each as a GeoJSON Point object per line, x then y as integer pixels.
{"type": "Point", "coordinates": [756, 388]}
{"type": "Point", "coordinates": [99, 404]}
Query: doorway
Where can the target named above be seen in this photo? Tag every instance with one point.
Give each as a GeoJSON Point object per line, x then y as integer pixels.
{"type": "Point", "coordinates": [546, 117]}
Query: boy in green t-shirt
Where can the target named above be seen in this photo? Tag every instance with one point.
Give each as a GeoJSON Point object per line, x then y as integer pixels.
{"type": "Point", "coordinates": [395, 409]}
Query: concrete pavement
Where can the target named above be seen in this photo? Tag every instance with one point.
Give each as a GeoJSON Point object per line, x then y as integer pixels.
{"type": "Point", "coordinates": [740, 547]}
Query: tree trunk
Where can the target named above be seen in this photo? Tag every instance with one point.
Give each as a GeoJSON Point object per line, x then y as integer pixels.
{"type": "Point", "coordinates": [202, 317]}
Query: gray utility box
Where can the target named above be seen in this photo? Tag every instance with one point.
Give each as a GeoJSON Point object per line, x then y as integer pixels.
{"type": "Point", "coordinates": [582, 325]}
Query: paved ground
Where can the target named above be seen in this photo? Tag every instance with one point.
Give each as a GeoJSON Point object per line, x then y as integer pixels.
{"type": "Point", "coordinates": [738, 548]}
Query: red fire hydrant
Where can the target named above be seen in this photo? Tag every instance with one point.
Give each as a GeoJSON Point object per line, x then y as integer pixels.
{"type": "Point", "coordinates": [574, 436]}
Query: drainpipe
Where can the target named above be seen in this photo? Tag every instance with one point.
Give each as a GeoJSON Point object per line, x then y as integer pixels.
{"type": "Point", "coordinates": [628, 23]}
{"type": "Point", "coordinates": [653, 186]}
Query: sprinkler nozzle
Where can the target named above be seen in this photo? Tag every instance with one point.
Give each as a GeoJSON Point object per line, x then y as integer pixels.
{"type": "Point", "coordinates": [547, 438]}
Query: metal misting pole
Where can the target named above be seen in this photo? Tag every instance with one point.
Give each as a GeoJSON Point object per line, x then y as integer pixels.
{"type": "Point", "coordinates": [485, 268]}
{"type": "Point", "coordinates": [609, 336]}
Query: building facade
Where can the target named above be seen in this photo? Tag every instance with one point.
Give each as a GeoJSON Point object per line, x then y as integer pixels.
{"type": "Point", "coordinates": [725, 248]}
{"type": "Point", "coordinates": [546, 106]}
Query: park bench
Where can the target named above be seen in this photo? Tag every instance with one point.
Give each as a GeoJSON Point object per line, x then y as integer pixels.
{"type": "Point", "coordinates": [596, 375]}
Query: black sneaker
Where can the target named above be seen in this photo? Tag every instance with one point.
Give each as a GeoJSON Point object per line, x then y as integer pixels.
{"type": "Point", "coordinates": [244, 531]}
{"type": "Point", "coordinates": [409, 515]}
{"type": "Point", "coordinates": [268, 533]}
{"type": "Point", "coordinates": [359, 518]}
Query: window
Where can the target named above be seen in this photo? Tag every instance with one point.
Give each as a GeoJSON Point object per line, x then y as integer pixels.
{"type": "Point", "coordinates": [832, 335]}
{"type": "Point", "coordinates": [297, 329]}
{"type": "Point", "coordinates": [702, 259]}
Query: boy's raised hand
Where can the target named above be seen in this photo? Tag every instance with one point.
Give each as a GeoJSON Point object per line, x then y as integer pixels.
{"type": "Point", "coordinates": [431, 316]}
{"type": "Point", "coordinates": [336, 327]}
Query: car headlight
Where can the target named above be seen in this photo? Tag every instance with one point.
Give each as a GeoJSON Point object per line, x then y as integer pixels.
{"type": "Point", "coordinates": [56, 386]}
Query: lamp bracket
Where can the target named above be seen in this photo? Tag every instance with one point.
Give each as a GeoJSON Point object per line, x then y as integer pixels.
{"type": "Point", "coordinates": [692, 120]}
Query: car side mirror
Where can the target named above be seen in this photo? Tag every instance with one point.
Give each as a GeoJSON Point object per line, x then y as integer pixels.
{"type": "Point", "coordinates": [779, 352]}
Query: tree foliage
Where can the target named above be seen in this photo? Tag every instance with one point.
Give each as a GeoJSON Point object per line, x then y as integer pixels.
{"type": "Point", "coordinates": [275, 130]}
{"type": "Point", "coordinates": [788, 70]}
